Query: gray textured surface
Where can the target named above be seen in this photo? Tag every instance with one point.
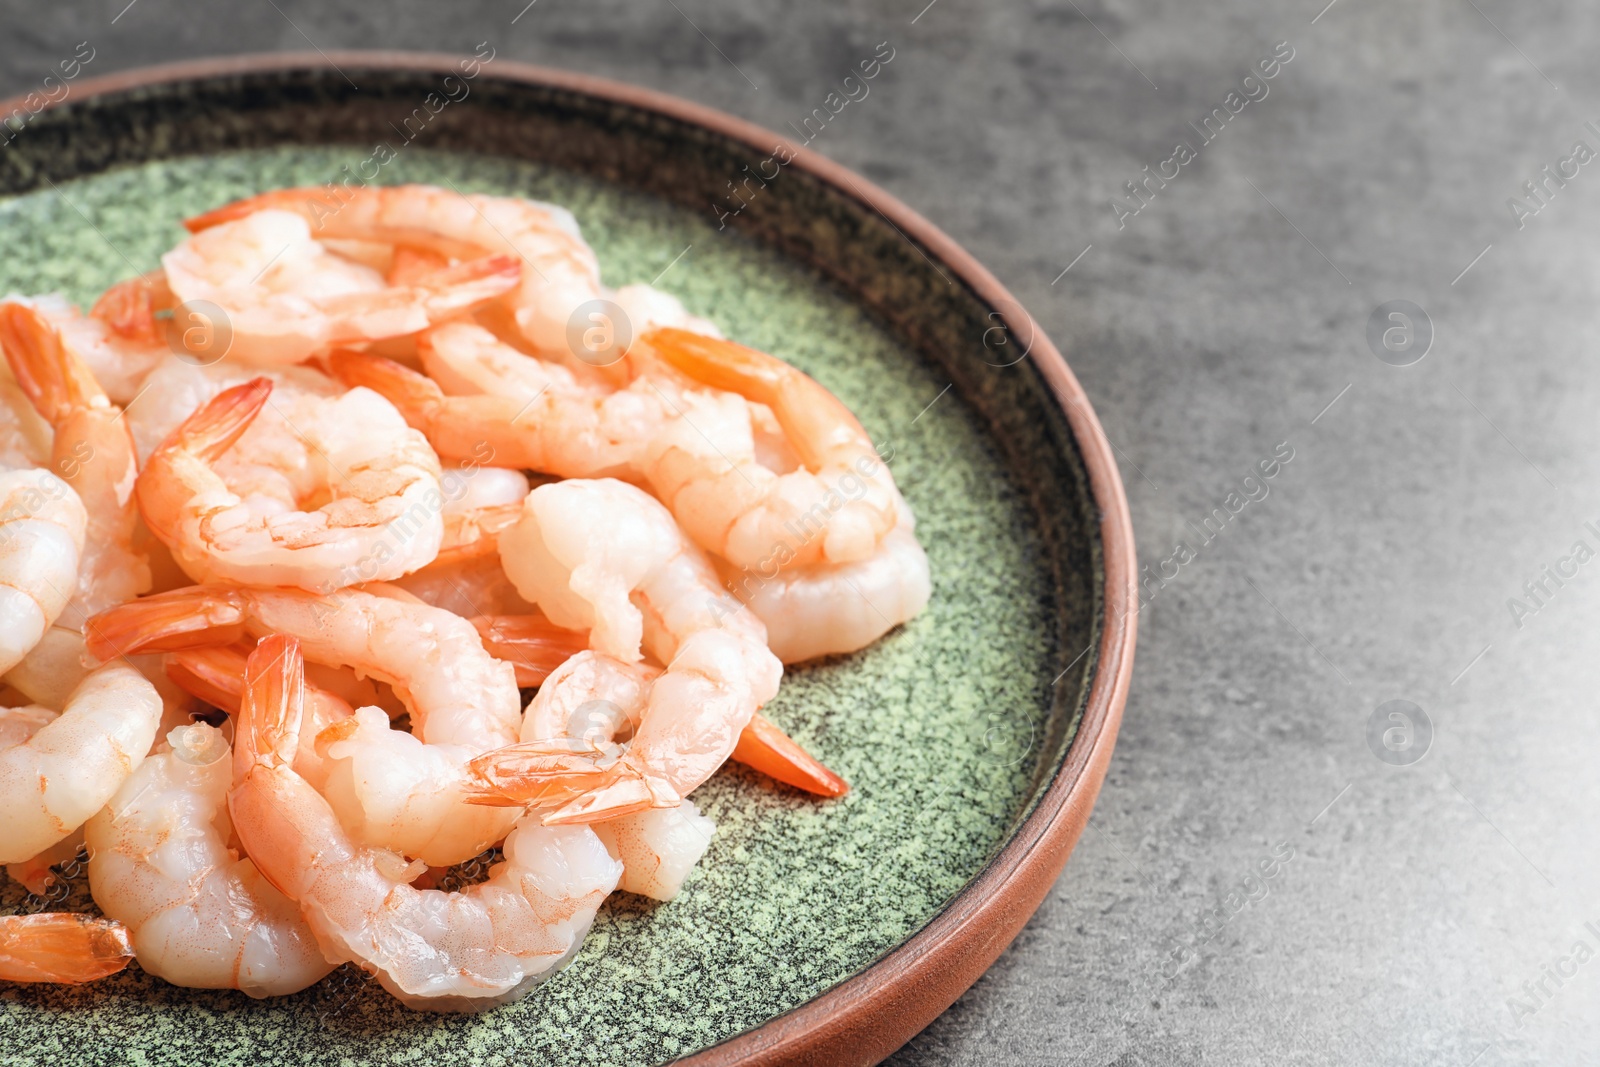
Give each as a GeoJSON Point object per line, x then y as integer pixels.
{"type": "Point", "coordinates": [1219, 322]}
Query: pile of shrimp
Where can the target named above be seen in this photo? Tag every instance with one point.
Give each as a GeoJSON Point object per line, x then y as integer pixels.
{"type": "Point", "coordinates": [291, 527]}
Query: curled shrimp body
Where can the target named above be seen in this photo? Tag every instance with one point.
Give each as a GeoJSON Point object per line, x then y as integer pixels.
{"type": "Point", "coordinates": [559, 272]}
{"type": "Point", "coordinates": [51, 783]}
{"type": "Point", "coordinates": [405, 791]}
{"type": "Point", "coordinates": [199, 913]}
{"type": "Point", "coordinates": [486, 945]}
{"type": "Point", "coordinates": [287, 297]}
{"type": "Point", "coordinates": [836, 508]}
{"type": "Point", "coordinates": [382, 521]}
{"type": "Point", "coordinates": [606, 557]}
{"type": "Point", "coordinates": [61, 948]}
{"type": "Point", "coordinates": [825, 609]}
{"type": "Point", "coordinates": [42, 525]}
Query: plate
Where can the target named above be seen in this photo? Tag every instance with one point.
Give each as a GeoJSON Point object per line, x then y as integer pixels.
{"type": "Point", "coordinates": [975, 738]}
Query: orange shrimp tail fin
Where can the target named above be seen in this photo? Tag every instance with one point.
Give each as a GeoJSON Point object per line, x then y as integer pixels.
{"type": "Point", "coordinates": [312, 201]}
{"type": "Point", "coordinates": [194, 617]}
{"type": "Point", "coordinates": [54, 380]}
{"type": "Point", "coordinates": [470, 535]}
{"type": "Point", "coordinates": [129, 308]}
{"type": "Point", "coordinates": [214, 675]}
{"type": "Point", "coordinates": [268, 727]}
{"type": "Point", "coordinates": [535, 773]}
{"type": "Point", "coordinates": [532, 644]}
{"type": "Point", "coordinates": [814, 420]}
{"type": "Point", "coordinates": [412, 393]}
{"type": "Point", "coordinates": [411, 265]}
{"type": "Point", "coordinates": [212, 430]}
{"type": "Point", "coordinates": [467, 285]}
{"type": "Point", "coordinates": [764, 747]}
{"type": "Point", "coordinates": [61, 948]}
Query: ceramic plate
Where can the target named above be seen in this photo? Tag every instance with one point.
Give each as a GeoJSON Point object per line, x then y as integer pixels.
{"type": "Point", "coordinates": [975, 737]}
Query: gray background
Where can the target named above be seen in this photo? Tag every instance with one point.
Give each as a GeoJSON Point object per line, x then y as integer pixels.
{"type": "Point", "coordinates": [1219, 322]}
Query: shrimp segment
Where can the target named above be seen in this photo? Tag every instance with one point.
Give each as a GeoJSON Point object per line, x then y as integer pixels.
{"type": "Point", "coordinates": [381, 523]}
{"type": "Point", "coordinates": [606, 557]}
{"type": "Point", "coordinates": [200, 914]}
{"type": "Point", "coordinates": [405, 791]}
{"type": "Point", "coordinates": [54, 781]}
{"type": "Point", "coordinates": [42, 525]}
{"type": "Point", "coordinates": [61, 948]}
{"type": "Point", "coordinates": [484, 946]}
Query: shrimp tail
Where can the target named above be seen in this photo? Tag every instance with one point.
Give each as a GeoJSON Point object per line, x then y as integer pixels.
{"type": "Point", "coordinates": [538, 773]}
{"type": "Point", "coordinates": [214, 675]}
{"type": "Point", "coordinates": [532, 644]}
{"type": "Point", "coordinates": [130, 307]}
{"type": "Point", "coordinates": [55, 383]}
{"type": "Point", "coordinates": [466, 285]}
{"type": "Point", "coordinates": [312, 201]}
{"type": "Point", "coordinates": [213, 429]}
{"type": "Point", "coordinates": [62, 948]}
{"type": "Point", "coordinates": [769, 750]}
{"type": "Point", "coordinates": [415, 395]}
{"type": "Point", "coordinates": [194, 617]}
{"type": "Point", "coordinates": [814, 420]}
{"type": "Point", "coordinates": [268, 727]}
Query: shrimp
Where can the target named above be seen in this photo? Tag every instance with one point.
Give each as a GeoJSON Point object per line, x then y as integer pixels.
{"type": "Point", "coordinates": [199, 913]}
{"type": "Point", "coordinates": [576, 687]}
{"type": "Point", "coordinates": [486, 945]}
{"type": "Point", "coordinates": [383, 520]}
{"type": "Point", "coordinates": [42, 524]}
{"type": "Point", "coordinates": [216, 675]}
{"type": "Point", "coordinates": [544, 422]}
{"type": "Point", "coordinates": [837, 508]}
{"type": "Point", "coordinates": [66, 771]}
{"type": "Point", "coordinates": [606, 557]}
{"type": "Point", "coordinates": [93, 452]}
{"type": "Point", "coordinates": [118, 341]}
{"type": "Point", "coordinates": [61, 948]}
{"type": "Point", "coordinates": [404, 791]}
{"type": "Point", "coordinates": [287, 298]}
{"type": "Point", "coordinates": [17, 724]}
{"type": "Point", "coordinates": [559, 271]}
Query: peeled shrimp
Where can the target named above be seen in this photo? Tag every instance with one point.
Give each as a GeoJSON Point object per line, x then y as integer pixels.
{"type": "Point", "coordinates": [486, 945]}
{"type": "Point", "coordinates": [606, 557]}
{"type": "Point", "coordinates": [199, 913]}
{"type": "Point", "coordinates": [286, 297]}
{"type": "Point", "coordinates": [398, 790]}
{"type": "Point", "coordinates": [93, 452]}
{"type": "Point", "coordinates": [551, 424]}
{"type": "Point", "coordinates": [118, 341]}
{"type": "Point", "coordinates": [559, 272]}
{"type": "Point", "coordinates": [54, 781]}
{"type": "Point", "coordinates": [42, 526]}
{"type": "Point", "coordinates": [580, 691]}
{"type": "Point", "coordinates": [61, 948]}
{"type": "Point", "coordinates": [383, 520]}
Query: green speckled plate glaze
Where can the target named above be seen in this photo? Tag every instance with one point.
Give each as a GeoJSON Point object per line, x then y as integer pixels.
{"type": "Point", "coordinates": [949, 729]}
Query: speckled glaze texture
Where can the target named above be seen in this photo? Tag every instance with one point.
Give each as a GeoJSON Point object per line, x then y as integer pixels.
{"type": "Point", "coordinates": [948, 730]}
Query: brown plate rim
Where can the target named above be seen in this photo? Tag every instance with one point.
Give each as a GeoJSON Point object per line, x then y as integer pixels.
{"type": "Point", "coordinates": [866, 1017]}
